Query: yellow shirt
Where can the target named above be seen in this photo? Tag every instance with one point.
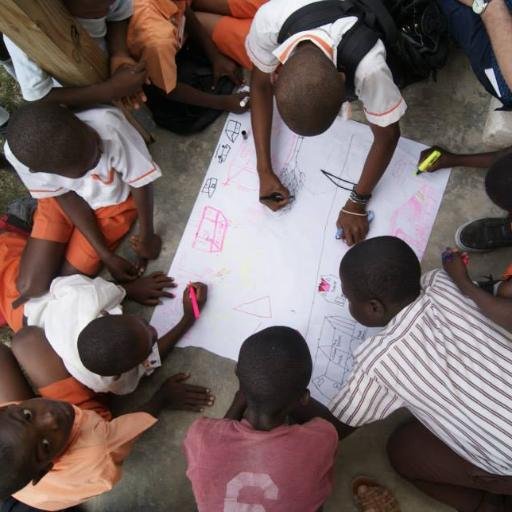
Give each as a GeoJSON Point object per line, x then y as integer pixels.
{"type": "Point", "coordinates": [91, 463]}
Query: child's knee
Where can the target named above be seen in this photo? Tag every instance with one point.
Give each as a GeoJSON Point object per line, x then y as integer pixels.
{"type": "Point", "coordinates": [26, 341]}
{"type": "Point", "coordinates": [32, 286]}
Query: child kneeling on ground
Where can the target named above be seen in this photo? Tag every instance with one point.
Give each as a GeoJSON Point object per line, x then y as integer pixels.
{"type": "Point", "coordinates": [254, 455]}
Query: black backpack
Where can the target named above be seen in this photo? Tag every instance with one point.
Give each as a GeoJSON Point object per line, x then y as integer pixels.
{"type": "Point", "coordinates": [195, 70]}
{"type": "Point", "coordinates": [414, 32]}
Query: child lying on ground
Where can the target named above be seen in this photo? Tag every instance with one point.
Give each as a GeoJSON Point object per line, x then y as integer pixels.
{"type": "Point", "coordinates": [157, 33]}
{"type": "Point", "coordinates": [484, 234]}
{"type": "Point", "coordinates": [102, 348]}
{"type": "Point", "coordinates": [254, 455]}
{"type": "Point", "coordinates": [92, 175]}
{"type": "Point", "coordinates": [59, 451]}
{"type": "Point", "coordinates": [106, 21]}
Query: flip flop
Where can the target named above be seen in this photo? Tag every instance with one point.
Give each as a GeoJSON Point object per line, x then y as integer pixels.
{"type": "Point", "coordinates": [374, 498]}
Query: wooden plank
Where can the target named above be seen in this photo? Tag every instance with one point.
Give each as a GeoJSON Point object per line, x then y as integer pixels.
{"type": "Point", "coordinates": [50, 36]}
{"type": "Point", "coordinates": [46, 32]}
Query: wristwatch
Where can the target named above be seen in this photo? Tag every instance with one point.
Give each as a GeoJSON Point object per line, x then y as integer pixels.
{"type": "Point", "coordinates": [479, 6]}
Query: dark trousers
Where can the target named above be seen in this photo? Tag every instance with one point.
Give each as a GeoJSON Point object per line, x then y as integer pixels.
{"type": "Point", "coordinates": [470, 34]}
{"type": "Point", "coordinates": [12, 505]}
{"type": "Point", "coordinates": [420, 457]}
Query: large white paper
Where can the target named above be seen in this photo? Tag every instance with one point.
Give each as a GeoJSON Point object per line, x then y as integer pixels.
{"type": "Point", "coordinates": [266, 268]}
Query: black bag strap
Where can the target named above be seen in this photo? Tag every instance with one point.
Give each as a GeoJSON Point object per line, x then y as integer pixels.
{"type": "Point", "coordinates": [314, 15]}
{"type": "Point", "coordinates": [356, 42]}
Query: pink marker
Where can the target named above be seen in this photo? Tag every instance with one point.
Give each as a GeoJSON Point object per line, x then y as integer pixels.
{"type": "Point", "coordinates": [193, 300]}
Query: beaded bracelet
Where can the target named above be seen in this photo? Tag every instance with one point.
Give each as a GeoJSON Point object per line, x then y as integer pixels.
{"type": "Point", "coordinates": [357, 198]}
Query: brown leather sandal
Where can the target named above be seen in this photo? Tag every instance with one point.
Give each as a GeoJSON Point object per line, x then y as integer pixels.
{"type": "Point", "coordinates": [369, 496]}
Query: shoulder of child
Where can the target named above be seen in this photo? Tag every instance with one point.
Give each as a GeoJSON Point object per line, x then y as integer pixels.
{"type": "Point", "coordinates": [323, 428]}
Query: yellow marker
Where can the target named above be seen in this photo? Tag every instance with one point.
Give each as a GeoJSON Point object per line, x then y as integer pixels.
{"type": "Point", "coordinates": [429, 161]}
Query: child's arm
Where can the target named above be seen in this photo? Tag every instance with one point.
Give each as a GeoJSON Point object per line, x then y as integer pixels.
{"type": "Point", "coordinates": [498, 309]}
{"type": "Point", "coordinates": [222, 65]}
{"type": "Point", "coordinates": [175, 394]}
{"type": "Point", "coordinates": [355, 225]}
{"type": "Point", "coordinates": [120, 57]}
{"type": "Point", "coordinates": [261, 118]}
{"type": "Point", "coordinates": [314, 409]}
{"type": "Point", "coordinates": [124, 82]}
{"type": "Point", "coordinates": [147, 244]}
{"type": "Point", "coordinates": [447, 159]}
{"type": "Point", "coordinates": [184, 93]}
{"type": "Point", "coordinates": [82, 216]}
{"type": "Point", "coordinates": [168, 341]}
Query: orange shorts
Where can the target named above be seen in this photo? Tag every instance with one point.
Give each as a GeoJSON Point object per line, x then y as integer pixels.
{"type": "Point", "coordinates": [230, 32]}
{"type": "Point", "coordinates": [51, 223]}
{"type": "Point", "coordinates": [508, 272]}
{"type": "Point", "coordinates": [11, 249]}
{"type": "Point", "coordinates": [71, 391]}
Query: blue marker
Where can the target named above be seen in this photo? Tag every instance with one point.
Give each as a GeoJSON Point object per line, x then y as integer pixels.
{"type": "Point", "coordinates": [339, 231]}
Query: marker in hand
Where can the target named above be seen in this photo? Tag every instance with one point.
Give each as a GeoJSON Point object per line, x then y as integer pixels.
{"type": "Point", "coordinates": [428, 162]}
{"type": "Point", "coordinates": [447, 255]}
{"type": "Point", "coordinates": [339, 231]}
{"type": "Point", "coordinates": [193, 300]}
{"type": "Point", "coordinates": [244, 101]}
{"type": "Point", "coordinates": [275, 196]}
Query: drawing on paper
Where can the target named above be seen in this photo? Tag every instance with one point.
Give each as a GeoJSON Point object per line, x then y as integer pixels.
{"type": "Point", "coordinates": [268, 270]}
{"type": "Point", "coordinates": [338, 338]}
{"type": "Point", "coordinates": [232, 129]}
{"type": "Point", "coordinates": [412, 221]}
{"type": "Point", "coordinates": [242, 169]}
{"type": "Point", "coordinates": [290, 174]}
{"type": "Point", "coordinates": [260, 307]}
{"type": "Point", "coordinates": [222, 153]}
{"type": "Point", "coordinates": [330, 290]}
{"type": "Point", "coordinates": [337, 181]}
{"type": "Point", "coordinates": [211, 232]}
{"type": "Point", "coordinates": [209, 187]}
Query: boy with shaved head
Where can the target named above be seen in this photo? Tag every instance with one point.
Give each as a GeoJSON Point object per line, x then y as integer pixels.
{"type": "Point", "coordinates": [92, 176]}
{"type": "Point", "coordinates": [442, 358]}
{"type": "Point", "coordinates": [302, 41]}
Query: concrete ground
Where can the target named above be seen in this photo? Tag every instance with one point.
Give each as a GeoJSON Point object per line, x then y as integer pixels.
{"type": "Point", "coordinates": [451, 112]}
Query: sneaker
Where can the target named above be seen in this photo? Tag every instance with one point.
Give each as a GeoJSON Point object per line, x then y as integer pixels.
{"type": "Point", "coordinates": [484, 234]}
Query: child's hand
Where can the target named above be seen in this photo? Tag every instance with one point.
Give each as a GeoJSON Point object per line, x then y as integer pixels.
{"type": "Point", "coordinates": [122, 270]}
{"type": "Point", "coordinates": [231, 102]}
{"type": "Point", "coordinates": [455, 264]}
{"type": "Point", "coordinates": [270, 184]}
{"type": "Point", "coordinates": [201, 295]}
{"type": "Point", "coordinates": [149, 290]}
{"type": "Point", "coordinates": [146, 248]}
{"type": "Point", "coordinates": [175, 394]}
{"type": "Point", "coordinates": [355, 228]}
{"type": "Point", "coordinates": [443, 162]}
{"type": "Point", "coordinates": [126, 81]}
{"type": "Point", "coordinates": [224, 66]}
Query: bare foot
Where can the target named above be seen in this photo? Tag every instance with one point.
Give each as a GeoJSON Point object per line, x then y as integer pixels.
{"type": "Point", "coordinates": [369, 496]}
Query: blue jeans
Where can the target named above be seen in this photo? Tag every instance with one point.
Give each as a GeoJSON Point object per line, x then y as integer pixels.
{"type": "Point", "coordinates": [470, 34]}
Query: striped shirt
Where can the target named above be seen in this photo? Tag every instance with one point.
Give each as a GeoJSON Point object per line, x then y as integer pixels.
{"type": "Point", "coordinates": [451, 366]}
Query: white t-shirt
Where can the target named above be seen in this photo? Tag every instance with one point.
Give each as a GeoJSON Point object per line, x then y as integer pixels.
{"type": "Point", "coordinates": [70, 305]}
{"type": "Point", "coordinates": [374, 86]}
{"type": "Point", "coordinates": [35, 83]}
{"type": "Point", "coordinates": [125, 162]}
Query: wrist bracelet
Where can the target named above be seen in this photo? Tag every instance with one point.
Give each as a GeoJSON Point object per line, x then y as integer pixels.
{"type": "Point", "coordinates": [357, 201]}
{"type": "Point", "coordinates": [354, 213]}
{"type": "Point", "coordinates": [357, 198]}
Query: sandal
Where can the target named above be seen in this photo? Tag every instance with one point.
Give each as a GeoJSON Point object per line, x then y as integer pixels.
{"type": "Point", "coordinates": [369, 496]}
